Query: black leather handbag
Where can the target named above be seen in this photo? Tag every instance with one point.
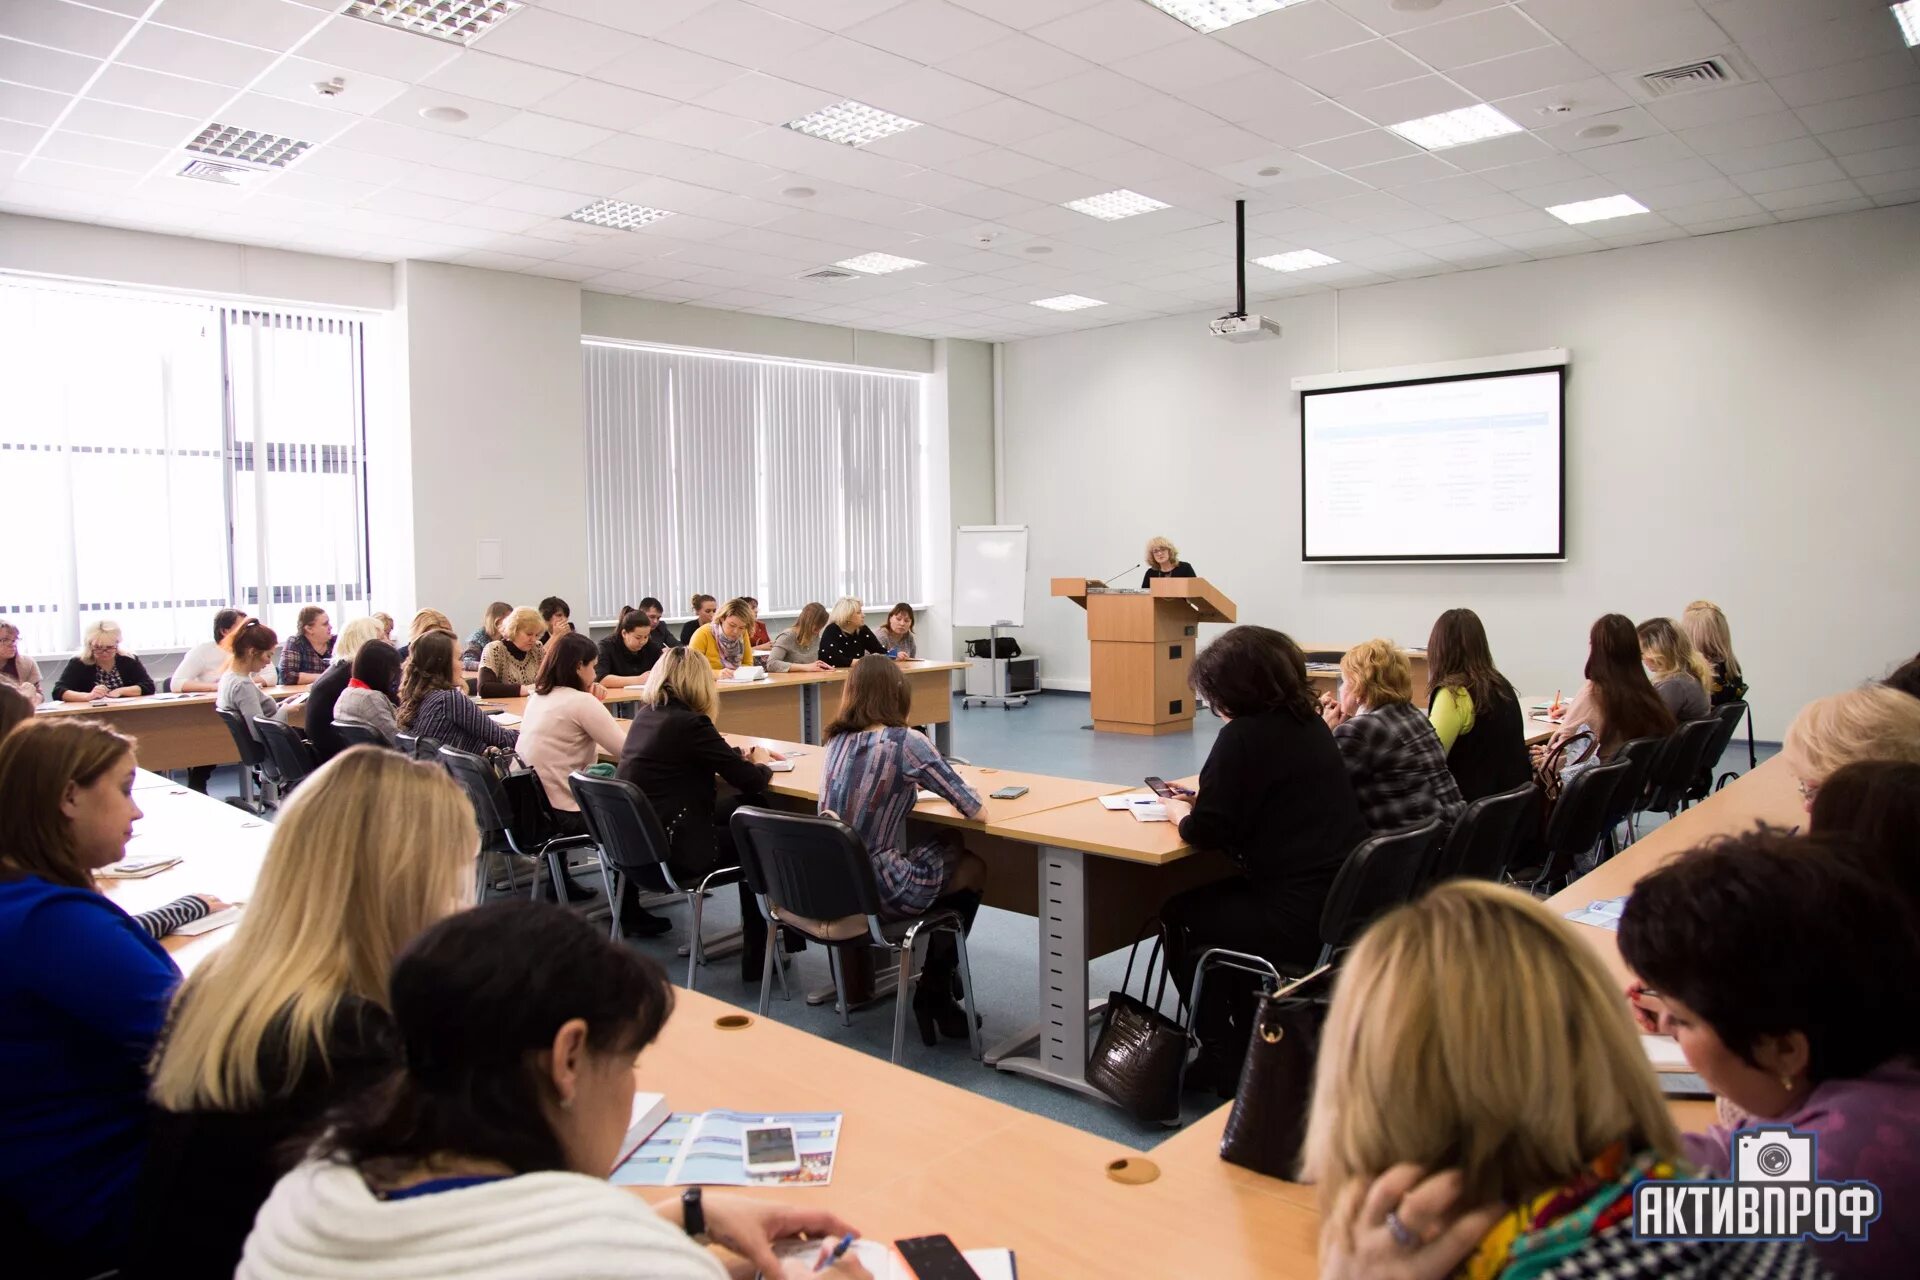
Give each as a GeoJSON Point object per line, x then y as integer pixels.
{"type": "Point", "coordinates": [1268, 1122]}
{"type": "Point", "coordinates": [1137, 1058]}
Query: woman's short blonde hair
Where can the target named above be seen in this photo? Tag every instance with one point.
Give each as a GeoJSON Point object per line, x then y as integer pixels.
{"type": "Point", "coordinates": [685, 674]}
{"type": "Point", "coordinates": [843, 610]}
{"type": "Point", "coordinates": [1873, 722]}
{"type": "Point", "coordinates": [738, 608]}
{"type": "Point", "coordinates": [429, 620]}
{"type": "Point", "coordinates": [1706, 626]}
{"type": "Point", "coordinates": [101, 631]}
{"type": "Point", "coordinates": [521, 619]}
{"type": "Point", "coordinates": [1157, 543]}
{"type": "Point", "coordinates": [1665, 649]}
{"type": "Point", "coordinates": [1471, 1030]}
{"type": "Point", "coordinates": [357, 633]}
{"type": "Point", "coordinates": [1379, 672]}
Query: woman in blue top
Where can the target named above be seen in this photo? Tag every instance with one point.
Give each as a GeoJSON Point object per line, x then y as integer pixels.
{"type": "Point", "coordinates": [875, 767]}
{"type": "Point", "coordinates": [83, 994]}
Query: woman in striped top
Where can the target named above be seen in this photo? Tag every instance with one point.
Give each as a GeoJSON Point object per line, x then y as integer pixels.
{"type": "Point", "coordinates": [874, 768]}
{"type": "Point", "coordinates": [433, 703]}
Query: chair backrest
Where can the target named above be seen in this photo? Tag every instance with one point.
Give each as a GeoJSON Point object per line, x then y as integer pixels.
{"type": "Point", "coordinates": [624, 825]}
{"type": "Point", "coordinates": [812, 866]}
{"type": "Point", "coordinates": [290, 754]}
{"type": "Point", "coordinates": [1486, 836]}
{"type": "Point", "coordinates": [489, 798]}
{"type": "Point", "coordinates": [244, 742]}
{"type": "Point", "coordinates": [1580, 815]}
{"type": "Point", "coordinates": [417, 747]}
{"type": "Point", "coordinates": [1640, 755]}
{"type": "Point", "coordinates": [1730, 714]}
{"type": "Point", "coordinates": [1381, 873]}
{"type": "Point", "coordinates": [1675, 771]}
{"type": "Point", "coordinates": [359, 735]}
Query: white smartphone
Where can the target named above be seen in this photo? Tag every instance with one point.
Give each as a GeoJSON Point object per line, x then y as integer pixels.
{"type": "Point", "coordinates": [769, 1149]}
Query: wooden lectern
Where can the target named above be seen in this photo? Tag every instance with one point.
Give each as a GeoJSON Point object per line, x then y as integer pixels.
{"type": "Point", "coordinates": [1143, 643]}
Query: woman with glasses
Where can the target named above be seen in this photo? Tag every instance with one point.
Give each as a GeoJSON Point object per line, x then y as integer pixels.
{"type": "Point", "coordinates": [102, 670]}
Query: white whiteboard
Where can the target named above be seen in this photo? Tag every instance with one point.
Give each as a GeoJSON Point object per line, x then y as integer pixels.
{"type": "Point", "coordinates": [990, 575]}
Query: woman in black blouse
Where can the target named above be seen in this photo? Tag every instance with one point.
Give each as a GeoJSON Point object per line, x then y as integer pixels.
{"type": "Point", "coordinates": [847, 637]}
{"type": "Point", "coordinates": [630, 652]}
{"type": "Point", "coordinates": [1274, 797]}
{"type": "Point", "coordinates": [101, 670]}
{"type": "Point", "coordinates": [1163, 561]}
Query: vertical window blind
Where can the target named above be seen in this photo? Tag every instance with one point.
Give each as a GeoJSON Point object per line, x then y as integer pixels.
{"type": "Point", "coordinates": [728, 476]}
{"type": "Point", "coordinates": [173, 457]}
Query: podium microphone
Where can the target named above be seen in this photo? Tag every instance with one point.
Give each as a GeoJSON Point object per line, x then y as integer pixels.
{"type": "Point", "coordinates": [1107, 582]}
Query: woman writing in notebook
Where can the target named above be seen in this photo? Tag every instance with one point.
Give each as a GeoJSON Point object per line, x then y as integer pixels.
{"type": "Point", "coordinates": [727, 642]}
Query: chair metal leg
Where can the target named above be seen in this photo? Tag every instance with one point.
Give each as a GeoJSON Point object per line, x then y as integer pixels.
{"type": "Point", "coordinates": [611, 878]}
{"type": "Point", "coordinates": [779, 965]}
{"type": "Point", "coordinates": [966, 994]}
{"type": "Point", "coordinates": [767, 966]}
{"type": "Point", "coordinates": [839, 987]}
{"type": "Point", "coordinates": [697, 901]}
{"type": "Point", "coordinates": [900, 1001]}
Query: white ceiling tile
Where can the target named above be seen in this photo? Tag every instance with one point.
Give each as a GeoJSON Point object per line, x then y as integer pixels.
{"type": "Point", "coordinates": [1311, 124]}
{"type": "Point", "coordinates": [1812, 173]}
{"type": "Point", "coordinates": [925, 94]}
{"type": "Point", "coordinates": [491, 78]}
{"type": "Point", "coordinates": [271, 24]}
{"type": "Point", "coordinates": [1552, 68]}
{"type": "Point", "coordinates": [928, 145]}
{"type": "Point", "coordinates": [384, 138]}
{"type": "Point", "coordinates": [43, 68]}
{"type": "Point", "coordinates": [668, 71]}
{"type": "Point", "coordinates": [1773, 155]}
{"type": "Point", "coordinates": [1577, 101]}
{"type": "Point", "coordinates": [1265, 94]}
{"type": "Point", "coordinates": [1686, 215]}
{"type": "Point", "coordinates": [1885, 160]}
{"type": "Point", "coordinates": [1716, 106]}
{"type": "Point", "coordinates": [1630, 123]}
{"type": "Point", "coordinates": [548, 135]}
{"type": "Point", "coordinates": [742, 34]}
{"type": "Point", "coordinates": [1111, 30]}
{"type": "Point", "coordinates": [1791, 212]}
{"type": "Point", "coordinates": [1460, 198]}
{"type": "Point", "coordinates": [1686, 194]}
{"type": "Point", "coordinates": [927, 31]}
{"type": "Point", "coordinates": [526, 198]}
{"type": "Point", "coordinates": [1491, 33]}
{"type": "Point", "coordinates": [1842, 40]}
{"type": "Point", "coordinates": [757, 96]}
{"type": "Point", "coordinates": [361, 93]}
{"type": "Point", "coordinates": [1666, 174]}
{"type": "Point", "coordinates": [71, 28]}
{"type": "Point", "coordinates": [288, 119]}
{"type": "Point", "coordinates": [1219, 146]}
{"type": "Point", "coordinates": [1686, 36]}
{"type": "Point", "coordinates": [829, 15]}
{"type": "Point", "coordinates": [642, 155]}
{"type": "Point", "coordinates": [130, 124]}
{"type": "Point", "coordinates": [30, 106]}
{"type": "Point", "coordinates": [1752, 131]}
{"type": "Point", "coordinates": [138, 87]}
{"type": "Point", "coordinates": [1370, 147]}
{"type": "Point", "coordinates": [17, 138]}
{"type": "Point", "coordinates": [1057, 186]}
{"type": "Point", "coordinates": [102, 153]}
{"type": "Point", "coordinates": [1898, 103]}
{"type": "Point", "coordinates": [364, 166]}
{"type": "Point", "coordinates": [1295, 33]}
{"type": "Point", "coordinates": [1005, 121]}
{"type": "Point", "coordinates": [1848, 79]}
{"type": "Point", "coordinates": [1570, 17]}
{"type": "Point", "coordinates": [1404, 171]}
{"type": "Point", "coordinates": [1802, 197]}
{"type": "Point", "coordinates": [1433, 237]}
{"type": "Point", "coordinates": [1493, 153]}
{"type": "Point", "coordinates": [849, 69]}
{"type": "Point", "coordinates": [698, 127]}
{"type": "Point", "coordinates": [558, 41]}
{"type": "Point", "coordinates": [1621, 156]}
{"type": "Point", "coordinates": [996, 166]}
{"type": "Point", "coordinates": [1156, 122]}
{"type": "Point", "coordinates": [1192, 62]}
{"type": "Point", "coordinates": [1535, 173]}
{"type": "Point", "coordinates": [582, 175]}
{"type": "Point", "coordinates": [1094, 95]}
{"type": "Point", "coordinates": [382, 50]}
{"type": "Point", "coordinates": [1504, 224]}
{"type": "Point", "coordinates": [82, 177]}
{"type": "Point", "coordinates": [1900, 182]}
{"type": "Point", "coordinates": [1872, 137]}
{"type": "Point", "coordinates": [319, 190]}
{"type": "Point", "coordinates": [1753, 19]}
{"type": "Point", "coordinates": [503, 221]}
{"type": "Point", "coordinates": [1015, 63]}
{"type": "Point", "coordinates": [1357, 67]}
{"type": "Point", "coordinates": [201, 57]}
{"type": "Point", "coordinates": [1408, 100]}
{"type": "Point", "coordinates": [411, 204]}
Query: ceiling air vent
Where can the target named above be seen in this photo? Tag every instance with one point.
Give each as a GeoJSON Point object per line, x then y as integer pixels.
{"type": "Point", "coordinates": [828, 273]}
{"type": "Point", "coordinates": [1710, 73]}
{"type": "Point", "coordinates": [226, 175]}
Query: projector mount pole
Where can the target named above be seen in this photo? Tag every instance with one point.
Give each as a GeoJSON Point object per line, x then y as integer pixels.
{"type": "Point", "coordinates": [1240, 257]}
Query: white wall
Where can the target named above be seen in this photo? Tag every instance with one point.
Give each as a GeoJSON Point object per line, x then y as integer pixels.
{"type": "Point", "coordinates": [1740, 427]}
{"type": "Point", "coordinates": [604, 315]}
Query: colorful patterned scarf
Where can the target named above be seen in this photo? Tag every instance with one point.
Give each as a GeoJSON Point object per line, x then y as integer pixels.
{"type": "Point", "coordinates": [731, 651]}
{"type": "Point", "coordinates": [1539, 1234]}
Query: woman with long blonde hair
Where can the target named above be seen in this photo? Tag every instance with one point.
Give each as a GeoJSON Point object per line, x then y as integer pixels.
{"type": "Point", "coordinates": [1474, 1038]}
{"type": "Point", "coordinates": [290, 1017]}
{"type": "Point", "coordinates": [1706, 626]}
{"type": "Point", "coordinates": [798, 647]}
{"type": "Point", "coordinates": [1680, 675]}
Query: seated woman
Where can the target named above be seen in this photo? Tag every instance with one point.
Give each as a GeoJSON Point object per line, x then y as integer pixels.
{"type": "Point", "coordinates": [102, 670]}
{"type": "Point", "coordinates": [489, 632]}
{"type": "Point", "coordinates": [1707, 630]}
{"type": "Point", "coordinates": [896, 635]}
{"type": "Point", "coordinates": [289, 1018]}
{"type": "Point", "coordinates": [16, 668]}
{"type": "Point", "coordinates": [83, 993]}
{"type": "Point", "coordinates": [323, 696]}
{"type": "Point", "coordinates": [564, 728]}
{"type": "Point", "coordinates": [310, 652]}
{"type": "Point", "coordinates": [673, 754]}
{"type": "Point", "coordinates": [1163, 561]}
{"type": "Point", "coordinates": [434, 702]}
{"type": "Point", "coordinates": [1274, 797]}
{"type": "Point", "coordinates": [1872, 722]}
{"type": "Point", "coordinates": [847, 638]}
{"type": "Point", "coordinates": [424, 621]}
{"type": "Point", "coordinates": [1875, 805]}
{"type": "Point", "coordinates": [1434, 1062]}
{"type": "Point", "coordinates": [386, 625]}
{"type": "Point", "coordinates": [1680, 676]}
{"type": "Point", "coordinates": [1473, 709]}
{"type": "Point", "coordinates": [1617, 703]}
{"type": "Point", "coordinates": [1393, 756]}
{"type": "Point", "coordinates": [253, 647]}
{"type": "Point", "coordinates": [556, 619]}
{"type": "Point", "coordinates": [201, 666]}
{"type": "Point", "coordinates": [758, 635]}
{"type": "Point", "coordinates": [874, 769]}
{"type": "Point", "coordinates": [487, 1156]}
{"type": "Point", "coordinates": [510, 665]}
{"type": "Point", "coordinates": [704, 607]}
{"type": "Point", "coordinates": [726, 642]}
{"type": "Point", "coordinates": [367, 700]}
{"type": "Point", "coordinates": [798, 647]}
{"type": "Point", "coordinates": [1771, 955]}
{"type": "Point", "coordinates": [629, 653]}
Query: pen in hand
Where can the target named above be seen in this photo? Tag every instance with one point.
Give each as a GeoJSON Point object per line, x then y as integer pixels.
{"type": "Point", "coordinates": [833, 1254]}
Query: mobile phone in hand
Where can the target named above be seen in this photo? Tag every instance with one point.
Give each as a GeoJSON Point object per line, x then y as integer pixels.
{"type": "Point", "coordinates": [1160, 788]}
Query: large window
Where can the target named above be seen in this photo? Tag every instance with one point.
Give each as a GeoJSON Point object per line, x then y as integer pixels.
{"type": "Point", "coordinates": [731, 476]}
{"type": "Point", "coordinates": [164, 458]}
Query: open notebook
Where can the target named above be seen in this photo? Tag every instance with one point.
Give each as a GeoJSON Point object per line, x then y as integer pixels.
{"type": "Point", "coordinates": [883, 1263]}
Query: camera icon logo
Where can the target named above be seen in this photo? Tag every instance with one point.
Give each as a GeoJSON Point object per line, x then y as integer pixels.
{"type": "Point", "coordinates": [1776, 1154]}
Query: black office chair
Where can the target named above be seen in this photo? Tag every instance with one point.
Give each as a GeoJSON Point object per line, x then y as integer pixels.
{"type": "Point", "coordinates": [1578, 822]}
{"type": "Point", "coordinates": [359, 735]}
{"type": "Point", "coordinates": [417, 747]}
{"type": "Point", "coordinates": [1676, 771]}
{"type": "Point", "coordinates": [1382, 872]}
{"type": "Point", "coordinates": [1642, 756]}
{"type": "Point", "coordinates": [1486, 836]}
{"type": "Point", "coordinates": [254, 786]}
{"type": "Point", "coordinates": [633, 845]}
{"type": "Point", "coordinates": [1729, 714]}
{"type": "Point", "coordinates": [812, 874]}
{"type": "Point", "coordinates": [493, 811]}
{"type": "Point", "coordinates": [292, 758]}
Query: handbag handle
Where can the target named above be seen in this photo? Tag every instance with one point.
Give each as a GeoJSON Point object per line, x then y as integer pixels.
{"type": "Point", "coordinates": [1126, 983]}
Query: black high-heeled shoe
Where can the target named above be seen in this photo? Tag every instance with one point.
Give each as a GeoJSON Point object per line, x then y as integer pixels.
{"type": "Point", "coordinates": [939, 1015]}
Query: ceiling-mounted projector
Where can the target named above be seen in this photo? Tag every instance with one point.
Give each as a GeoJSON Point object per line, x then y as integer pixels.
{"type": "Point", "coordinates": [1237, 325]}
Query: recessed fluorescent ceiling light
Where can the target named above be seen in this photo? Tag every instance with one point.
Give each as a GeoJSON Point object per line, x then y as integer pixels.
{"type": "Point", "coordinates": [1452, 128]}
{"type": "Point", "coordinates": [1208, 16]}
{"type": "Point", "coordinates": [455, 21]}
{"type": "Point", "coordinates": [248, 146]}
{"type": "Point", "coordinates": [1113, 205]}
{"type": "Point", "coordinates": [878, 264]}
{"type": "Point", "coordinates": [1596, 210]}
{"type": "Point", "coordinates": [619, 215]}
{"type": "Point", "coordinates": [1907, 14]}
{"type": "Point", "coordinates": [853, 123]}
{"type": "Point", "coordinates": [1298, 260]}
{"type": "Point", "coordinates": [1068, 302]}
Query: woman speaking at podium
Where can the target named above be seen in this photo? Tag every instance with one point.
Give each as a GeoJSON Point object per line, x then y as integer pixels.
{"type": "Point", "coordinates": [1163, 561]}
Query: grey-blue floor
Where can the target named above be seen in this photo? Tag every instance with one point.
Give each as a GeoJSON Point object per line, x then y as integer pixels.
{"type": "Point", "coordinates": [1046, 736]}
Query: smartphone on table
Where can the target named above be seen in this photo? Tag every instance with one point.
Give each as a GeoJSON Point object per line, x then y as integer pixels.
{"type": "Point", "coordinates": [935, 1258]}
{"type": "Point", "coordinates": [1007, 793]}
{"type": "Point", "coordinates": [769, 1148]}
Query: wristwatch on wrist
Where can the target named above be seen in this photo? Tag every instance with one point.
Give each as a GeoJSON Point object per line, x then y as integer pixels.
{"type": "Point", "coordinates": [692, 1216]}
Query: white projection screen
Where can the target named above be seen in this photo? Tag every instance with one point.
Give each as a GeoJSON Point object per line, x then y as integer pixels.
{"type": "Point", "coordinates": [1471, 467]}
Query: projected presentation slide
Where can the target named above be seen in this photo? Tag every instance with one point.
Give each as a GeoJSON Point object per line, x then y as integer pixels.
{"type": "Point", "coordinates": [1464, 468]}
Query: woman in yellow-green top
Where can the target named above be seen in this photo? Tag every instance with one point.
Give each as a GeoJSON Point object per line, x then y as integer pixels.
{"type": "Point", "coordinates": [727, 642]}
{"type": "Point", "coordinates": [1473, 709]}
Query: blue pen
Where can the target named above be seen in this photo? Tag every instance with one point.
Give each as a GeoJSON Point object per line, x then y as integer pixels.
{"type": "Point", "coordinates": [830, 1256]}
